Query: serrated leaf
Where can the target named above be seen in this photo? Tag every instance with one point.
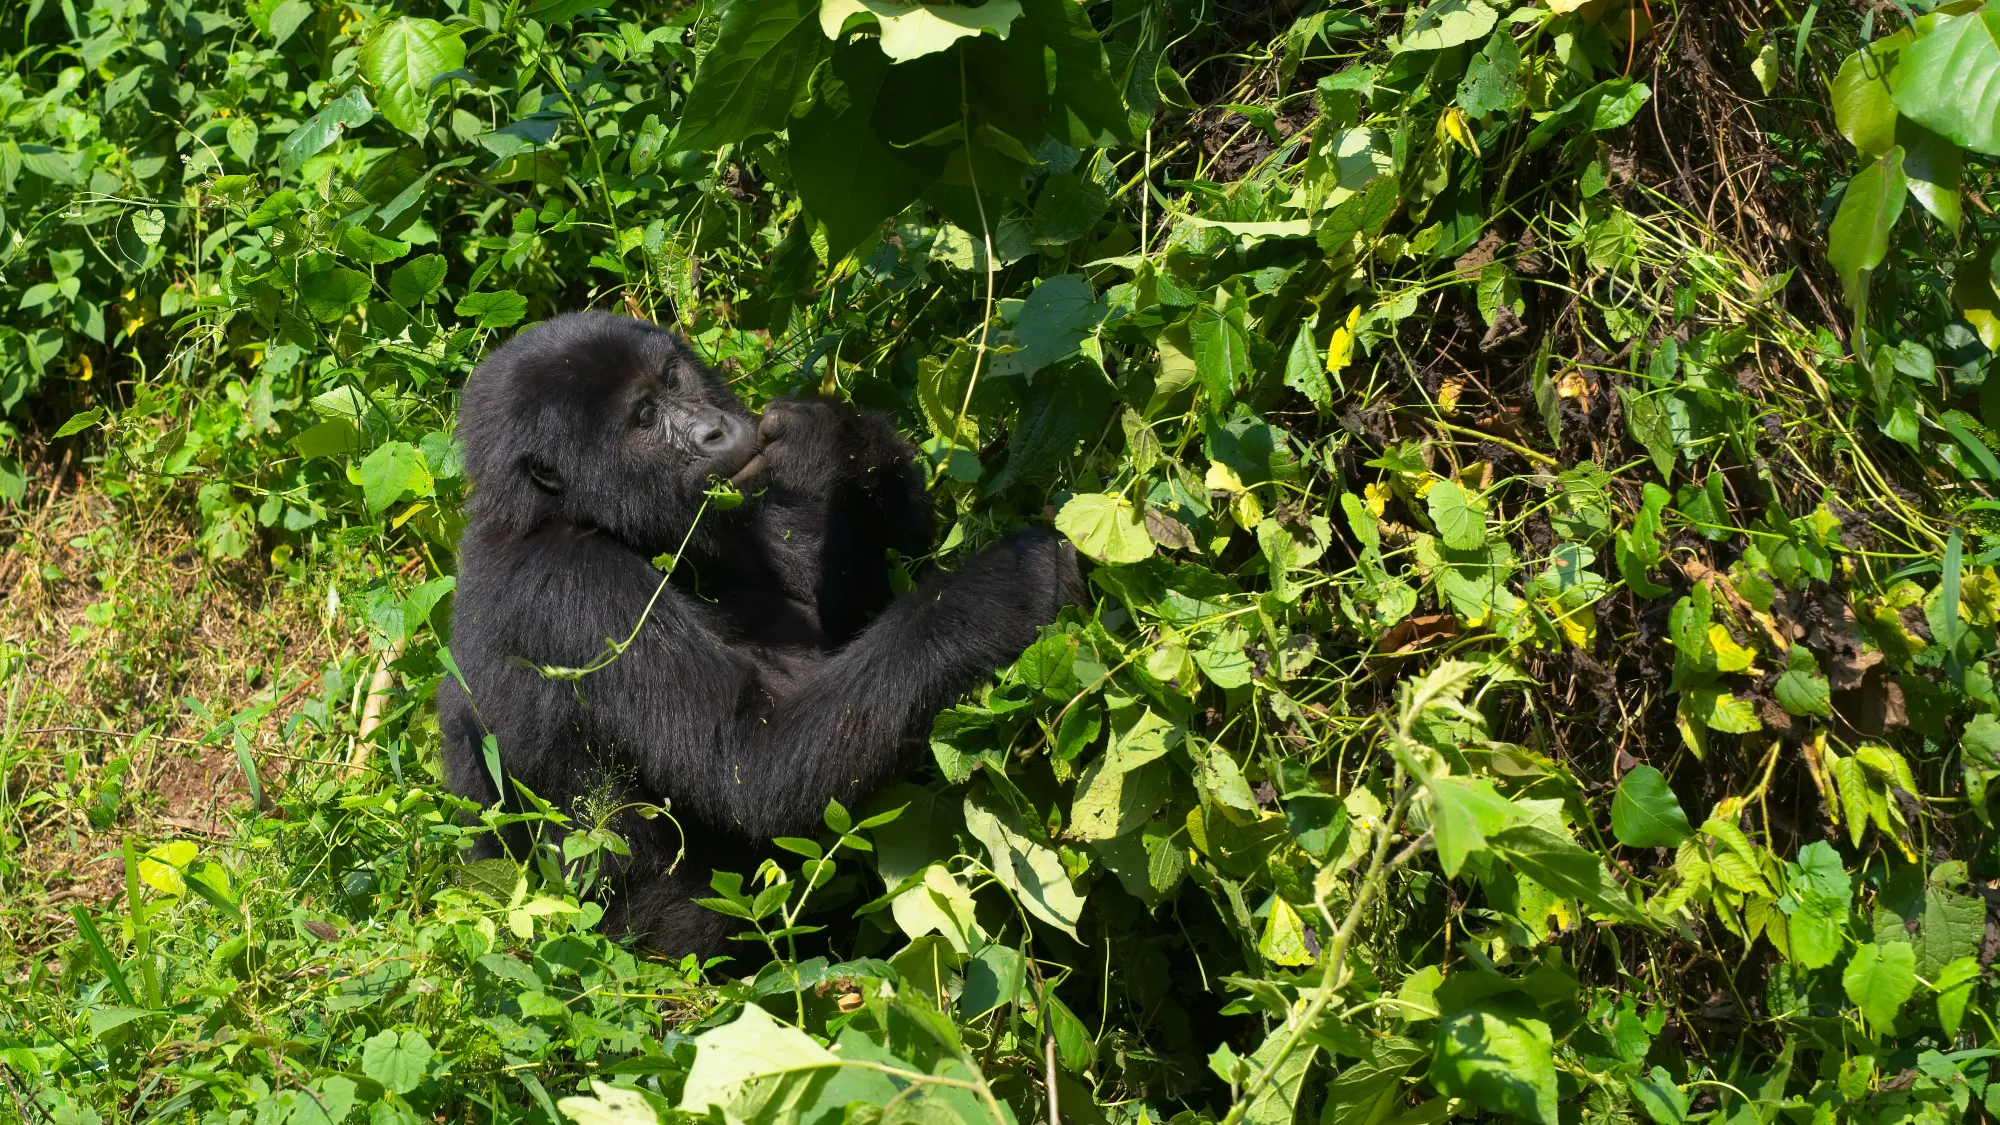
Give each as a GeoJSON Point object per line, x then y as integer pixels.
{"type": "Point", "coordinates": [417, 280]}
{"type": "Point", "coordinates": [330, 294]}
{"type": "Point", "coordinates": [1879, 979]}
{"type": "Point", "coordinates": [401, 59]}
{"type": "Point", "coordinates": [493, 310]}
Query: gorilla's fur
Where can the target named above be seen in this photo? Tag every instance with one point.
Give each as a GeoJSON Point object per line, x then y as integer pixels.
{"type": "Point", "coordinates": [776, 670]}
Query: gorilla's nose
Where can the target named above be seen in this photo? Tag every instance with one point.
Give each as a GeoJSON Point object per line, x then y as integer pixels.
{"type": "Point", "coordinates": [714, 433]}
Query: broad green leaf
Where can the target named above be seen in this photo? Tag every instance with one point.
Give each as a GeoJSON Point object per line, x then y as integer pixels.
{"type": "Point", "coordinates": [1277, 1103]}
{"type": "Point", "coordinates": [751, 1064]}
{"type": "Point", "coordinates": [1085, 107]}
{"type": "Point", "coordinates": [754, 76]}
{"type": "Point", "coordinates": [1447, 23]}
{"type": "Point", "coordinates": [1563, 867]}
{"type": "Point", "coordinates": [1863, 110]}
{"type": "Point", "coordinates": [393, 469]}
{"type": "Point", "coordinates": [1973, 292]}
{"type": "Point", "coordinates": [330, 294]}
{"type": "Point", "coordinates": [417, 280]}
{"type": "Point", "coordinates": [1459, 516]}
{"type": "Point", "coordinates": [1304, 372]}
{"type": "Point", "coordinates": [608, 1105]}
{"type": "Point", "coordinates": [1052, 325]}
{"type": "Point", "coordinates": [1221, 351]}
{"type": "Point", "coordinates": [1949, 81]}
{"type": "Point", "coordinates": [1032, 871]}
{"type": "Point", "coordinates": [1879, 979]}
{"type": "Point", "coordinates": [1108, 529]}
{"type": "Point", "coordinates": [79, 422]}
{"type": "Point", "coordinates": [1858, 240]}
{"type": "Point", "coordinates": [399, 1061]}
{"type": "Point", "coordinates": [1954, 992]}
{"type": "Point", "coordinates": [1284, 939]}
{"type": "Point", "coordinates": [1647, 420]}
{"type": "Point", "coordinates": [1499, 1054]}
{"type": "Point", "coordinates": [1464, 812]}
{"type": "Point", "coordinates": [1645, 813]}
{"type": "Point", "coordinates": [333, 437]}
{"type": "Point", "coordinates": [322, 129]}
{"type": "Point", "coordinates": [911, 30]}
{"type": "Point", "coordinates": [1493, 79]}
{"type": "Point", "coordinates": [1069, 205]}
{"type": "Point", "coordinates": [401, 59]}
{"type": "Point", "coordinates": [494, 310]}
{"type": "Point", "coordinates": [1659, 1097]}
{"type": "Point", "coordinates": [1801, 690]}
{"type": "Point", "coordinates": [1935, 168]}
{"type": "Point", "coordinates": [850, 178]}
{"type": "Point", "coordinates": [365, 246]}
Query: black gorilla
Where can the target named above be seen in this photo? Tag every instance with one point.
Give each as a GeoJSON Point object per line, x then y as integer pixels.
{"type": "Point", "coordinates": [775, 671]}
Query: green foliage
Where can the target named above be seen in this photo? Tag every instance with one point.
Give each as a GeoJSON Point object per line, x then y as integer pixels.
{"type": "Point", "coordinates": [1518, 679]}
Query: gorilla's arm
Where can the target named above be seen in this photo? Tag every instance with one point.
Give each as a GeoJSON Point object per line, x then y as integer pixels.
{"type": "Point", "coordinates": [759, 750]}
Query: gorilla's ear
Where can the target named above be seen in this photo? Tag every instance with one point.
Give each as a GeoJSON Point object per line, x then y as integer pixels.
{"type": "Point", "coordinates": [544, 476]}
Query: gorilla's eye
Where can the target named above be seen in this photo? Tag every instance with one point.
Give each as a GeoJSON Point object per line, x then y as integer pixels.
{"type": "Point", "coordinates": [646, 415]}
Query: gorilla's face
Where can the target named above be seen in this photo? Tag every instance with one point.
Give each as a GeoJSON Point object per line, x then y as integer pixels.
{"type": "Point", "coordinates": [604, 421]}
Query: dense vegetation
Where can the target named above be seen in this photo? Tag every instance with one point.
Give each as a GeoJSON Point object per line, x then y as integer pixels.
{"type": "Point", "coordinates": [1537, 458]}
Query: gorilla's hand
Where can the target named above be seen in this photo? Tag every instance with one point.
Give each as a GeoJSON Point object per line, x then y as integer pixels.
{"type": "Point", "coordinates": [1018, 585]}
{"type": "Point", "coordinates": [817, 447]}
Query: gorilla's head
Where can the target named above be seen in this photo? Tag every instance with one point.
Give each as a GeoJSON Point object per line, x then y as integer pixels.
{"type": "Point", "coordinates": [601, 421]}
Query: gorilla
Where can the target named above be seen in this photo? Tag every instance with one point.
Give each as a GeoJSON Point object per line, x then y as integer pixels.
{"type": "Point", "coordinates": [773, 670]}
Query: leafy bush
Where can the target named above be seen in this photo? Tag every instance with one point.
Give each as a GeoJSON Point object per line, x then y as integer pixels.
{"type": "Point", "coordinates": [1539, 658]}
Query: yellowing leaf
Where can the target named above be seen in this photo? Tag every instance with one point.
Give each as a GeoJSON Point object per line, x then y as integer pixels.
{"type": "Point", "coordinates": [1284, 940]}
{"type": "Point", "coordinates": [1730, 656]}
{"type": "Point", "coordinates": [1340, 349]}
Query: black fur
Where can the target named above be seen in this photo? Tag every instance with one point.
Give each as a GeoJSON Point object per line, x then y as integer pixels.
{"type": "Point", "coordinates": [775, 671]}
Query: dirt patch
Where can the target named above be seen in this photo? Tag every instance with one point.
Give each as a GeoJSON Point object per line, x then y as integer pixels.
{"type": "Point", "coordinates": [111, 620]}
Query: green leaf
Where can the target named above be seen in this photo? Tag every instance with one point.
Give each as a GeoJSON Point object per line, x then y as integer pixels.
{"type": "Point", "coordinates": [608, 1105]}
{"type": "Point", "coordinates": [322, 129]}
{"type": "Point", "coordinates": [79, 422]}
{"type": "Point", "coordinates": [1054, 321]}
{"type": "Point", "coordinates": [1879, 979]}
{"type": "Point", "coordinates": [1068, 207]}
{"type": "Point", "coordinates": [1459, 516]}
{"type": "Point", "coordinates": [1954, 992]}
{"type": "Point", "coordinates": [1949, 81]}
{"type": "Point", "coordinates": [1284, 938]}
{"type": "Point", "coordinates": [1109, 529]}
{"type": "Point", "coordinates": [1645, 813]}
{"type": "Point", "coordinates": [393, 469]}
{"type": "Point", "coordinates": [494, 310]}
{"type": "Point", "coordinates": [401, 60]}
{"type": "Point", "coordinates": [754, 75]}
{"type": "Point", "coordinates": [417, 280]}
{"type": "Point", "coordinates": [1858, 240]}
{"type": "Point", "coordinates": [365, 246]}
{"type": "Point", "coordinates": [1936, 170]}
{"type": "Point", "coordinates": [1085, 107]}
{"type": "Point", "coordinates": [1659, 1097]}
{"type": "Point", "coordinates": [912, 30]}
{"type": "Point", "coordinates": [1801, 690]}
{"type": "Point", "coordinates": [754, 1068]}
{"type": "Point", "coordinates": [1647, 420]}
{"type": "Point", "coordinates": [1032, 871]}
{"type": "Point", "coordinates": [330, 294]}
{"type": "Point", "coordinates": [1863, 109]}
{"type": "Point", "coordinates": [849, 178]}
{"type": "Point", "coordinates": [1493, 79]}
{"type": "Point", "coordinates": [1304, 372]}
{"type": "Point", "coordinates": [1499, 1055]}
{"type": "Point", "coordinates": [398, 1061]}
{"type": "Point", "coordinates": [1447, 23]}
{"type": "Point", "coordinates": [333, 437]}
{"type": "Point", "coordinates": [1221, 351]}
{"type": "Point", "coordinates": [1464, 812]}
{"type": "Point", "coordinates": [1563, 867]}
